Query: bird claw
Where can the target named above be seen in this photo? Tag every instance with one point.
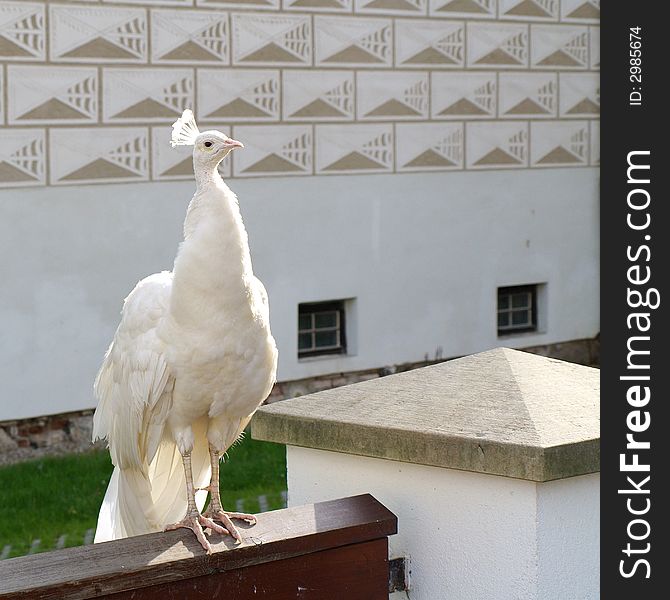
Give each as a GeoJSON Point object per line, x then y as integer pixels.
{"type": "Point", "coordinates": [225, 518]}
{"type": "Point", "coordinates": [195, 522]}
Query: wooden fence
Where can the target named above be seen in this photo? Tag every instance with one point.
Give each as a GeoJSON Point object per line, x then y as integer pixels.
{"type": "Point", "coordinates": [335, 550]}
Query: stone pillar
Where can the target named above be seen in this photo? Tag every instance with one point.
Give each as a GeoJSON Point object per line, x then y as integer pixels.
{"type": "Point", "coordinates": [490, 462]}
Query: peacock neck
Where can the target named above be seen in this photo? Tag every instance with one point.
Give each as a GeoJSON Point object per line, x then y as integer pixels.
{"type": "Point", "coordinates": [213, 262]}
{"type": "Point", "coordinates": [206, 175]}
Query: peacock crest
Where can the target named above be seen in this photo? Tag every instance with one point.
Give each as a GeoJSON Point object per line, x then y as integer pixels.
{"type": "Point", "coordinates": [184, 130]}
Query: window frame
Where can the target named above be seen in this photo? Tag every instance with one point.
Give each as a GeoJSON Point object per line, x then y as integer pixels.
{"type": "Point", "coordinates": [313, 309]}
{"type": "Point", "coordinates": [509, 291]}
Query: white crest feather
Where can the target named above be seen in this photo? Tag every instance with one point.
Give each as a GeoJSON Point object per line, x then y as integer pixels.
{"type": "Point", "coordinates": [184, 130]}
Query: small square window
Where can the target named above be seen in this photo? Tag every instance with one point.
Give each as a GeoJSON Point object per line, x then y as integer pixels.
{"type": "Point", "coordinates": [517, 309]}
{"type": "Point", "coordinates": [321, 329]}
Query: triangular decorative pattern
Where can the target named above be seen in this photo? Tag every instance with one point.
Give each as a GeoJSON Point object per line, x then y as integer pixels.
{"type": "Point", "coordinates": [312, 87]}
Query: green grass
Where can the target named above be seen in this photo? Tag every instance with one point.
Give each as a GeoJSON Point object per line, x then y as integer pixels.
{"type": "Point", "coordinates": [53, 496]}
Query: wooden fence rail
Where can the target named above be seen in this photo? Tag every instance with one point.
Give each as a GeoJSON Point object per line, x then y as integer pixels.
{"type": "Point", "coordinates": [336, 550]}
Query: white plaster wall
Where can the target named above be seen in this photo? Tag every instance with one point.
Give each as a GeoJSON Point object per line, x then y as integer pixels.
{"type": "Point", "coordinates": [470, 536]}
{"type": "Point", "coordinates": [568, 516]}
{"type": "Point", "coordinates": [422, 254]}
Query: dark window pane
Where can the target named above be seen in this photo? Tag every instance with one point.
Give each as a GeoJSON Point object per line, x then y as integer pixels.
{"type": "Point", "coordinates": [503, 319]}
{"type": "Point", "coordinates": [305, 321]}
{"type": "Point", "coordinates": [321, 328]}
{"type": "Point", "coordinates": [326, 319]}
{"type": "Point", "coordinates": [503, 301]}
{"type": "Point", "coordinates": [326, 338]}
{"type": "Point", "coordinates": [521, 300]}
{"type": "Point", "coordinates": [520, 317]}
{"type": "Point", "coordinates": [305, 341]}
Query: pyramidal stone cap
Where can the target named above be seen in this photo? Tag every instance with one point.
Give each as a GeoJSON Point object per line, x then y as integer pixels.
{"type": "Point", "coordinates": [500, 412]}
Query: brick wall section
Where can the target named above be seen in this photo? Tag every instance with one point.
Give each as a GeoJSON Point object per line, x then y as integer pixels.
{"type": "Point", "coordinates": [71, 432]}
{"type": "Point", "coordinates": [45, 436]}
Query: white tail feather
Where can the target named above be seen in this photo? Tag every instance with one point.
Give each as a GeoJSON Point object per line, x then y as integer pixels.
{"type": "Point", "coordinates": [137, 503]}
{"type": "Point", "coordinates": [184, 130]}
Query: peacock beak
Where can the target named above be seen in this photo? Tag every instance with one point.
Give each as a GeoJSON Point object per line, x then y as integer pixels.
{"type": "Point", "coordinates": [232, 144]}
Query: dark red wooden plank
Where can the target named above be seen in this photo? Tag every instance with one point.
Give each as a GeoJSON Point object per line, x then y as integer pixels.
{"type": "Point", "coordinates": [354, 572]}
{"type": "Point", "coordinates": [133, 563]}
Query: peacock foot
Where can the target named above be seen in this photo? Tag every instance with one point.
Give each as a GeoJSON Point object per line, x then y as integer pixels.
{"type": "Point", "coordinates": [196, 522]}
{"type": "Point", "coordinates": [217, 513]}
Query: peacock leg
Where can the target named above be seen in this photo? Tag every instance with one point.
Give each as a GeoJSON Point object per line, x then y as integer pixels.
{"type": "Point", "coordinates": [193, 519]}
{"type": "Point", "coordinates": [215, 508]}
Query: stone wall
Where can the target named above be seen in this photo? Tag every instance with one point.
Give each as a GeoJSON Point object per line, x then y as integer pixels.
{"type": "Point", "coordinates": [71, 432]}
{"type": "Point", "coordinates": [582, 352]}
{"type": "Point", "coordinates": [45, 436]}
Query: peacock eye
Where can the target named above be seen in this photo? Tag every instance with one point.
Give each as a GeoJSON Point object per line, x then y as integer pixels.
{"type": "Point", "coordinates": [208, 144]}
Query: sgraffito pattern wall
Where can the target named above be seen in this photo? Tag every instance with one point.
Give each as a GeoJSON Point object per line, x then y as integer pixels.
{"type": "Point", "coordinates": [89, 87]}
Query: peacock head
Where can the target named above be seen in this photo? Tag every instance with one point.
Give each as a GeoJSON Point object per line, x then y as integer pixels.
{"type": "Point", "coordinates": [209, 147]}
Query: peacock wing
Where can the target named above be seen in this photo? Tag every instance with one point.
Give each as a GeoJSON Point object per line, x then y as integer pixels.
{"type": "Point", "coordinates": [134, 384]}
